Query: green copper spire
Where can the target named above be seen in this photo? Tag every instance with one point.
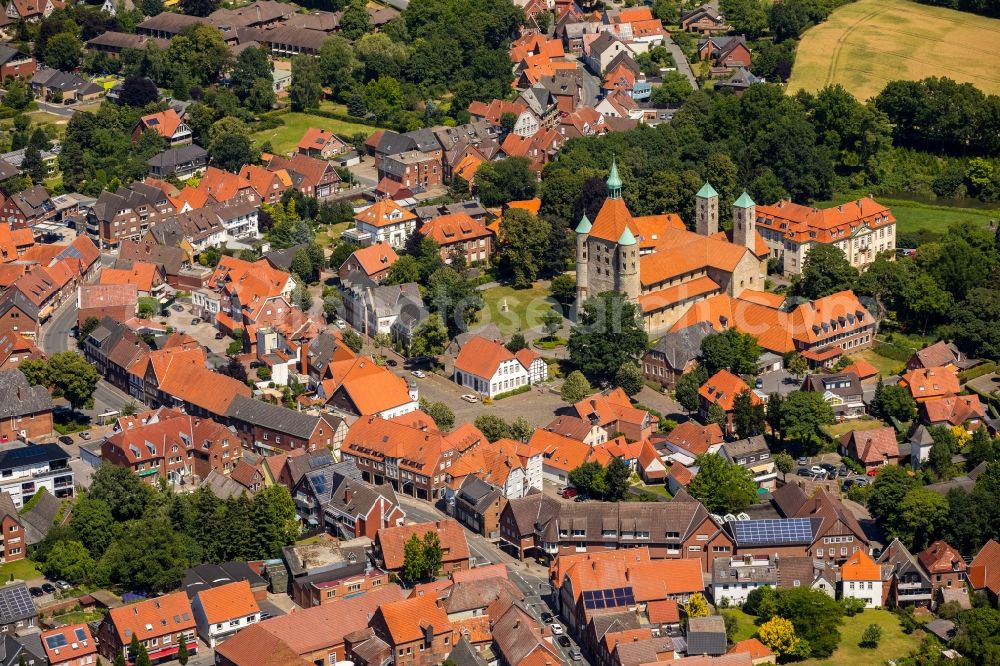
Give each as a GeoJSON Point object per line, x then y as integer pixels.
{"type": "Point", "coordinates": [614, 181]}
{"type": "Point", "coordinates": [707, 191]}
{"type": "Point", "coordinates": [584, 226]}
{"type": "Point", "coordinates": [626, 238]}
{"type": "Point", "coordinates": [744, 201]}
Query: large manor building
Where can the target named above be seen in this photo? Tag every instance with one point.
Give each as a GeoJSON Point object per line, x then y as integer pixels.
{"type": "Point", "coordinates": [662, 266]}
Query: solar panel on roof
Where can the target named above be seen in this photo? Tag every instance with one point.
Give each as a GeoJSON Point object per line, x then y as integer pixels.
{"type": "Point", "coordinates": [55, 642]}
{"type": "Point", "coordinates": [773, 531]}
{"type": "Point", "coordinates": [81, 635]}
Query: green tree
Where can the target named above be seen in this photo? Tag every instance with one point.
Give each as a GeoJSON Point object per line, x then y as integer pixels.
{"type": "Point", "coordinates": [892, 484]}
{"type": "Point", "coordinates": [923, 513]}
{"type": "Point", "coordinates": [974, 323]}
{"type": "Point", "coordinates": [895, 402]}
{"type": "Point", "coordinates": [609, 334]}
{"type": "Point", "coordinates": [629, 378]}
{"type": "Point", "coordinates": [64, 52]}
{"type": "Point", "coordinates": [274, 520]}
{"type": "Point", "coordinates": [983, 447]}
{"type": "Point", "coordinates": [355, 22]}
{"type": "Point", "coordinates": [433, 553]}
{"type": "Point", "coordinates": [761, 602]}
{"type": "Point", "coordinates": [731, 350]}
{"type": "Point", "coordinates": [94, 524]}
{"type": "Point", "coordinates": [722, 486]}
{"type": "Point", "coordinates": [802, 414]}
{"type": "Point", "coordinates": [940, 455]}
{"type": "Point", "coordinates": [413, 560]}
{"type": "Point", "coordinates": [617, 477]}
{"type": "Point", "coordinates": [816, 618]}
{"type": "Point", "coordinates": [563, 289]}
{"type": "Point", "coordinates": [430, 338]}
{"type": "Point", "coordinates": [589, 478]}
{"type": "Point", "coordinates": [182, 650]}
{"type": "Point", "coordinates": [871, 637]}
{"type": "Point", "coordinates": [516, 343]}
{"type": "Point", "coordinates": [523, 245]}
{"type": "Point", "coordinates": [797, 365]}
{"type": "Point", "coordinates": [697, 606]}
{"type": "Point", "coordinates": [686, 389]}
{"type": "Point", "coordinates": [826, 271]}
{"type": "Point", "coordinates": [442, 414]}
{"type": "Point", "coordinates": [36, 371]}
{"type": "Point", "coordinates": [86, 328]}
{"type": "Point", "coordinates": [454, 298]}
{"type": "Point", "coordinates": [125, 495]}
{"type": "Point", "coordinates": [784, 462]}
{"type": "Point", "coordinates": [353, 340]}
{"type": "Point", "coordinates": [69, 561]}
{"type": "Point", "coordinates": [74, 377]}
{"type": "Point", "coordinates": [551, 321]}
{"type": "Point", "coordinates": [748, 415]}
{"type": "Point", "coordinates": [521, 429]}
{"type": "Point", "coordinates": [674, 89]}
{"type": "Point", "coordinates": [507, 180]}
{"type": "Point", "coordinates": [717, 415]}
{"type": "Point", "coordinates": [251, 65]}
{"type": "Point", "coordinates": [575, 388]}
{"type": "Point", "coordinates": [306, 87]}
{"type": "Point", "coordinates": [199, 7]}
{"type": "Point", "coordinates": [492, 426]}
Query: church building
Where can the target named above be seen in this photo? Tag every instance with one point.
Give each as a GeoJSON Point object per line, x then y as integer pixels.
{"type": "Point", "coordinates": [659, 264]}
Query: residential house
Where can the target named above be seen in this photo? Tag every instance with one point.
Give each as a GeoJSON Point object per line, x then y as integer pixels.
{"type": "Point", "coordinates": [944, 565]}
{"type": "Point", "coordinates": [861, 578]}
{"type": "Point", "coordinates": [542, 526]}
{"type": "Point", "coordinates": [518, 639]}
{"type": "Point", "coordinates": [373, 261]}
{"type": "Point", "coordinates": [126, 214]}
{"type": "Point", "coordinates": [984, 570]}
{"type": "Point", "coordinates": [459, 235]}
{"type": "Point", "coordinates": [872, 448]}
{"type": "Point", "coordinates": [488, 368]}
{"type": "Point", "coordinates": [307, 636]}
{"type": "Point", "coordinates": [221, 611]}
{"type": "Point", "coordinates": [600, 52]}
{"type": "Point", "coordinates": [206, 576]}
{"type": "Point", "coordinates": [179, 378]}
{"type": "Point", "coordinates": [753, 455]}
{"type": "Point", "coordinates": [706, 636]}
{"type": "Point", "coordinates": [69, 645]}
{"type": "Point", "coordinates": [735, 578]}
{"type": "Point", "coordinates": [15, 349]}
{"type": "Point", "coordinates": [721, 389]}
{"type": "Point", "coordinates": [14, 544]}
{"type": "Point", "coordinates": [835, 536]}
{"type": "Point", "coordinates": [17, 650]}
{"type": "Point", "coordinates": [160, 624]}
{"type": "Point", "coordinates": [954, 410]}
{"type": "Point", "coordinates": [28, 208]}
{"type": "Point", "coordinates": [561, 455]}
{"type": "Point", "coordinates": [315, 177]}
{"type": "Point", "coordinates": [725, 52]}
{"type": "Point", "coordinates": [385, 221]}
{"type": "Point", "coordinates": [329, 569]}
{"type": "Point", "coordinates": [842, 391]}
{"type": "Point", "coordinates": [739, 81]}
{"type": "Point", "coordinates": [514, 468]}
{"type": "Point", "coordinates": [114, 43]}
{"type": "Point", "coordinates": [271, 429]}
{"type": "Point", "coordinates": [31, 11]}
{"type": "Point", "coordinates": [674, 354]}
{"type": "Point", "coordinates": [15, 64]}
{"type": "Point", "coordinates": [705, 20]}
{"type": "Point", "coordinates": [861, 229]}
{"type": "Point", "coordinates": [335, 496]}
{"type": "Point", "coordinates": [166, 25]}
{"type": "Point", "coordinates": [51, 84]}
{"type": "Point", "coordinates": [19, 314]}
{"type": "Point", "coordinates": [416, 630]}
{"type": "Point", "coordinates": [182, 162]}
{"type": "Point", "coordinates": [391, 541]}
{"type": "Point", "coordinates": [908, 583]}
{"type": "Point", "coordinates": [25, 411]}
{"type": "Point", "coordinates": [321, 143]}
{"type": "Point", "coordinates": [412, 170]}
{"type": "Point", "coordinates": [373, 309]}
{"type": "Point", "coordinates": [147, 278]}
{"type": "Point", "coordinates": [116, 301]}
{"type": "Point", "coordinates": [803, 571]}
{"type": "Point", "coordinates": [689, 440]}
{"type": "Point", "coordinates": [477, 505]}
{"type": "Point", "coordinates": [614, 412]}
{"type": "Point", "coordinates": [526, 122]}
{"type": "Point", "coordinates": [579, 429]}
{"type": "Point", "coordinates": [930, 383]}
{"type": "Point", "coordinates": [269, 185]}
{"type": "Point", "coordinates": [17, 609]}
{"type": "Point", "coordinates": [941, 354]}
{"type": "Point", "coordinates": [167, 124]}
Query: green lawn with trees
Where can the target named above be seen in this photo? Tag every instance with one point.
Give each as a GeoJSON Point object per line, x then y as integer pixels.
{"type": "Point", "coordinates": [287, 135]}
{"type": "Point", "coordinates": [894, 644]}
{"type": "Point", "coordinates": [515, 309]}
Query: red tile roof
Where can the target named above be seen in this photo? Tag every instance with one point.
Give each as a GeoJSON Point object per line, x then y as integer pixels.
{"type": "Point", "coordinates": [76, 642]}
{"type": "Point", "coordinates": [228, 602]}
{"type": "Point", "coordinates": [939, 557]}
{"type": "Point", "coordinates": [954, 409]}
{"type": "Point", "coordinates": [926, 383]}
{"type": "Point", "coordinates": [872, 446]}
{"type": "Point", "coordinates": [860, 566]}
{"type": "Point", "coordinates": [391, 541]}
{"type": "Point", "coordinates": [375, 258]}
{"type": "Point", "coordinates": [984, 570]}
{"type": "Point", "coordinates": [106, 295]}
{"type": "Point", "coordinates": [405, 620]}
{"type": "Point", "coordinates": [152, 618]}
{"type": "Point", "coordinates": [722, 389]}
{"type": "Point", "coordinates": [696, 438]}
{"type": "Point", "coordinates": [823, 225]}
{"type": "Point", "coordinates": [454, 228]}
{"type": "Point", "coordinates": [164, 123]}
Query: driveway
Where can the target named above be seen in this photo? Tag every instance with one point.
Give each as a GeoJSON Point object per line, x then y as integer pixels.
{"type": "Point", "coordinates": [683, 66]}
{"type": "Point", "coordinates": [781, 382]}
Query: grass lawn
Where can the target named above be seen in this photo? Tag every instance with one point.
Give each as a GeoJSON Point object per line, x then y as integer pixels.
{"type": "Point", "coordinates": [838, 429]}
{"type": "Point", "coordinates": [284, 139]}
{"type": "Point", "coordinates": [885, 366]}
{"type": "Point", "coordinates": [22, 569]}
{"type": "Point", "coordinates": [745, 627]}
{"type": "Point", "coordinates": [332, 233]}
{"type": "Point", "coordinates": [866, 44]}
{"type": "Point", "coordinates": [895, 643]}
{"type": "Point", "coordinates": [79, 617]}
{"type": "Point", "coordinates": [524, 307]}
{"type": "Point", "coordinates": [656, 489]}
{"type": "Point", "coordinates": [916, 216]}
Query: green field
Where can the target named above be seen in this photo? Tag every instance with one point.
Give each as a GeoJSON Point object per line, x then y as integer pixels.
{"type": "Point", "coordinates": [885, 366]}
{"type": "Point", "coordinates": [21, 570]}
{"type": "Point", "coordinates": [866, 44]}
{"type": "Point", "coordinates": [284, 139]}
{"type": "Point", "coordinates": [895, 644]}
{"type": "Point", "coordinates": [917, 216]}
{"type": "Point", "coordinates": [838, 429]}
{"type": "Point", "coordinates": [745, 624]}
{"type": "Point", "coordinates": [524, 307]}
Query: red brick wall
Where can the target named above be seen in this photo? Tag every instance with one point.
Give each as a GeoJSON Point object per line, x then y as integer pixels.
{"type": "Point", "coordinates": [35, 426]}
{"type": "Point", "coordinates": [14, 546]}
{"type": "Point", "coordinates": [16, 320]}
{"type": "Point", "coordinates": [120, 313]}
{"type": "Point", "coordinates": [24, 69]}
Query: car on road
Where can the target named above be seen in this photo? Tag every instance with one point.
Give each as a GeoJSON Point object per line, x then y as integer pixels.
{"type": "Point", "coordinates": [546, 617]}
{"type": "Point", "coordinates": [759, 383]}
{"type": "Point", "coordinates": [177, 308]}
{"type": "Point", "coordinates": [580, 498]}
{"type": "Point", "coordinates": [557, 629]}
{"type": "Point", "coordinates": [66, 439]}
{"type": "Point", "coordinates": [341, 323]}
{"type": "Point", "coordinates": [468, 397]}
{"type": "Point", "coordinates": [85, 434]}
{"type": "Point", "coordinates": [36, 591]}
{"type": "Point", "coordinates": [816, 470]}
{"type": "Point", "coordinates": [419, 374]}
{"type": "Point", "coordinates": [48, 588]}
{"type": "Point", "coordinates": [219, 335]}
{"type": "Point", "coordinates": [564, 641]}
{"type": "Point", "coordinates": [569, 493]}
{"type": "Point", "coordinates": [803, 460]}
{"type": "Point", "coordinates": [575, 655]}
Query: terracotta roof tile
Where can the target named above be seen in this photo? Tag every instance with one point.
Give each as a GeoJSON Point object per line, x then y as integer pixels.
{"type": "Point", "coordinates": [151, 618]}
{"type": "Point", "coordinates": [228, 602]}
{"type": "Point", "coordinates": [939, 557]}
{"type": "Point", "coordinates": [860, 566]}
{"type": "Point", "coordinates": [722, 389]}
{"type": "Point", "coordinates": [696, 438]}
{"type": "Point", "coordinates": [984, 570]}
{"type": "Point", "coordinates": [926, 383]}
{"type": "Point", "coordinates": [384, 212]}
{"type": "Point", "coordinates": [375, 258]}
{"type": "Point", "coordinates": [391, 540]}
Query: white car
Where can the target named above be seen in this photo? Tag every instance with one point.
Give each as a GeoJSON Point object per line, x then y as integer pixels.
{"type": "Point", "coordinates": [468, 397]}
{"type": "Point", "coordinates": [341, 323]}
{"type": "Point", "coordinates": [816, 469]}
{"type": "Point", "coordinates": [419, 374]}
{"type": "Point", "coordinates": [557, 629]}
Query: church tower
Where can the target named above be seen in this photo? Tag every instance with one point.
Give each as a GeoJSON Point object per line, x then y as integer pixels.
{"type": "Point", "coordinates": [707, 210]}
{"type": "Point", "coordinates": [745, 222]}
{"type": "Point", "coordinates": [628, 265]}
{"type": "Point", "coordinates": [582, 234]}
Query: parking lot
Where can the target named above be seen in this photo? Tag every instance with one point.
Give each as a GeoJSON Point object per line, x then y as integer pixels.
{"type": "Point", "coordinates": [203, 332]}
{"type": "Point", "coordinates": [815, 471]}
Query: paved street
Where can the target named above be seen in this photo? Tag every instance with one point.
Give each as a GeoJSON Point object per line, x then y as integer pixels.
{"type": "Point", "coordinates": [57, 332]}
{"type": "Point", "coordinates": [683, 66]}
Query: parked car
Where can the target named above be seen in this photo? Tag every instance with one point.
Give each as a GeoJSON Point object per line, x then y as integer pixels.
{"type": "Point", "coordinates": [546, 617]}
{"type": "Point", "coordinates": [860, 483]}
{"type": "Point", "coordinates": [575, 655]}
{"type": "Point", "coordinates": [803, 471]}
{"type": "Point", "coordinates": [177, 308]}
{"type": "Point", "coordinates": [195, 321]}
{"type": "Point", "coordinates": [391, 362]}
{"type": "Point", "coordinates": [63, 585]}
{"type": "Point", "coordinates": [219, 335]}
{"type": "Point", "coordinates": [828, 467]}
{"type": "Point", "coordinates": [564, 641]}
{"type": "Point", "coordinates": [341, 323]}
{"type": "Point", "coordinates": [816, 470]}
{"type": "Point", "coordinates": [872, 472]}
{"type": "Point", "coordinates": [48, 588]}
{"type": "Point", "coordinates": [66, 439]}
{"type": "Point", "coordinates": [580, 498]}
{"type": "Point", "coordinates": [36, 591]}
{"type": "Point", "coordinates": [419, 374]}
{"type": "Point", "coordinates": [803, 460]}
{"type": "Point", "coordinates": [847, 484]}
{"type": "Point", "coordinates": [759, 383]}
{"type": "Point", "coordinates": [468, 397]}
{"type": "Point", "coordinates": [85, 434]}
{"type": "Point", "coordinates": [843, 471]}
{"type": "Point", "coordinates": [557, 629]}
{"type": "Point", "coordinates": [569, 493]}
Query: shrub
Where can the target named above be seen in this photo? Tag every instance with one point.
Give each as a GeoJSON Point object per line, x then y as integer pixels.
{"type": "Point", "coordinates": [872, 636]}
{"type": "Point", "coordinates": [893, 351]}
{"type": "Point", "coordinates": [506, 394]}
{"type": "Point", "coordinates": [978, 371]}
{"type": "Point", "coordinates": [852, 606]}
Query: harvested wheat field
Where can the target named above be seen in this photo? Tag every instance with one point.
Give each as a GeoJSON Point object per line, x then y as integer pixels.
{"type": "Point", "coordinates": [866, 44]}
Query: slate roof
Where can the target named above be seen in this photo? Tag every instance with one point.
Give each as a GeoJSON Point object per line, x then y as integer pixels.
{"type": "Point", "coordinates": [169, 159]}
{"type": "Point", "coordinates": [14, 297]}
{"type": "Point", "coordinates": [706, 635]}
{"type": "Point", "coordinates": [17, 398]}
{"type": "Point", "coordinates": [13, 648]}
{"type": "Point", "coordinates": [683, 346]}
{"type": "Point", "coordinates": [273, 417]}
{"type": "Point", "coordinates": [205, 576]}
{"type": "Point", "coordinates": [39, 519]}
